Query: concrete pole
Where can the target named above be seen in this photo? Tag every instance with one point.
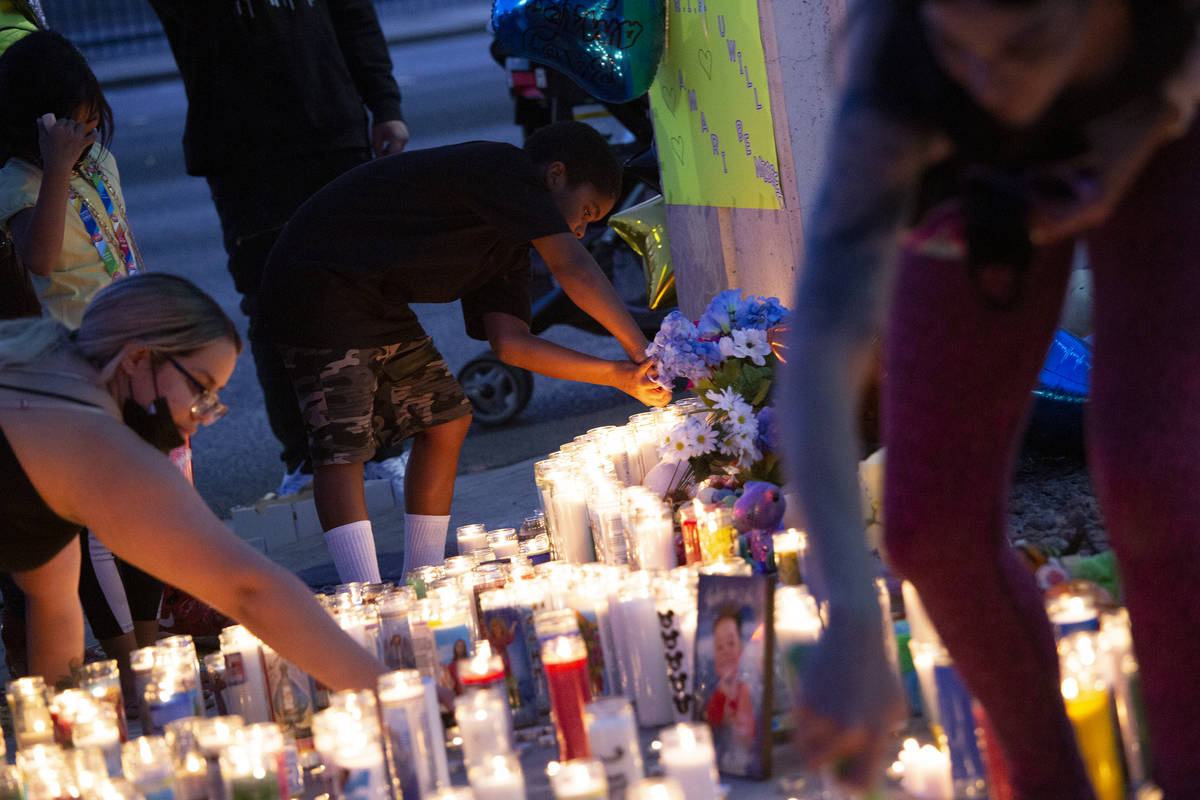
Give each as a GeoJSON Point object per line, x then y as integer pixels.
{"type": "Point", "coordinates": [761, 252]}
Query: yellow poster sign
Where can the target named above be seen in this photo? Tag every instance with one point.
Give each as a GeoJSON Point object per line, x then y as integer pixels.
{"type": "Point", "coordinates": [712, 110]}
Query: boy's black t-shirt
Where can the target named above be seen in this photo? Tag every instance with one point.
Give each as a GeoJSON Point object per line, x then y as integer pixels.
{"type": "Point", "coordinates": [423, 226]}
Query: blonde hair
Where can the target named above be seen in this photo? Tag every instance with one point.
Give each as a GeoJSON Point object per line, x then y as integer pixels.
{"type": "Point", "coordinates": [166, 313]}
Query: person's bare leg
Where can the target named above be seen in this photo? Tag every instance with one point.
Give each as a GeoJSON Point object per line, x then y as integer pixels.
{"type": "Point", "coordinates": [338, 494]}
{"type": "Point", "coordinates": [119, 647]}
{"type": "Point", "coordinates": [432, 467]}
{"type": "Point", "coordinates": [342, 509]}
{"type": "Point", "coordinates": [429, 490]}
{"type": "Point", "coordinates": [145, 631]}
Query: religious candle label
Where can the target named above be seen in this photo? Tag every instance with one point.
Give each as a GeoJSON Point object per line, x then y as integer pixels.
{"type": "Point", "coordinates": [505, 629]}
{"type": "Point", "coordinates": [958, 725]}
{"type": "Point", "coordinates": [290, 692]}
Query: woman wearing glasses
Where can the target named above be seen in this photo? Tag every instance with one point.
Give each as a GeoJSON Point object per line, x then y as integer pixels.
{"type": "Point", "coordinates": [82, 414]}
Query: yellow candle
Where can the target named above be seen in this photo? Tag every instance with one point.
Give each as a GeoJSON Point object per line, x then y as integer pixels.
{"type": "Point", "coordinates": [1090, 711]}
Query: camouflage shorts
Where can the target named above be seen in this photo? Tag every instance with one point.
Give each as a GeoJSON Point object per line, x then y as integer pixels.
{"type": "Point", "coordinates": [355, 400]}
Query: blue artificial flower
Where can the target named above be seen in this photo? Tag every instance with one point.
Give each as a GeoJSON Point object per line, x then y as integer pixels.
{"type": "Point", "coordinates": [760, 313]}
{"type": "Point", "coordinates": [721, 313]}
{"type": "Point", "coordinates": [768, 430]}
{"type": "Point", "coordinates": [679, 352]}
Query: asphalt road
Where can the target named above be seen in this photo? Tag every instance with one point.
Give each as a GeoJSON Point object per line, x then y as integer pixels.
{"type": "Point", "coordinates": [453, 92]}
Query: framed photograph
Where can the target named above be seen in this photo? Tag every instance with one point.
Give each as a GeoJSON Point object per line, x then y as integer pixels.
{"type": "Point", "coordinates": [735, 670]}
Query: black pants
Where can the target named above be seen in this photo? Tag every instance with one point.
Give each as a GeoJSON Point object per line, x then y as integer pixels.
{"type": "Point", "coordinates": [254, 204]}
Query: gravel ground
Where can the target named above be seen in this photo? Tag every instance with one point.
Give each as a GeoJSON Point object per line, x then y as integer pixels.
{"type": "Point", "coordinates": [1053, 504]}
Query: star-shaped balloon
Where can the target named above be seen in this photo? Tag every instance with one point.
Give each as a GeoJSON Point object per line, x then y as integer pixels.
{"type": "Point", "coordinates": [644, 228]}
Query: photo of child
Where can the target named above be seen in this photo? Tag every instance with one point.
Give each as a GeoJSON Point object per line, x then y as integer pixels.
{"type": "Point", "coordinates": [732, 674]}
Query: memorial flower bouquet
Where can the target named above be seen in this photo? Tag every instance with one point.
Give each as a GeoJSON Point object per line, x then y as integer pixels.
{"type": "Point", "coordinates": [727, 360]}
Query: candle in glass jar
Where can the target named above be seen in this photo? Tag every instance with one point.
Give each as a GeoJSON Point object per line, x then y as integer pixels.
{"type": "Point", "coordinates": [578, 779]}
{"type": "Point", "coordinates": [188, 760]}
{"type": "Point", "coordinates": [484, 725]}
{"type": "Point", "coordinates": [503, 542]}
{"type": "Point", "coordinates": [471, 538]}
{"type": "Point", "coordinates": [180, 652]}
{"type": "Point", "coordinates": [147, 765]}
{"type": "Point", "coordinates": [1089, 706]}
{"type": "Point", "coordinates": [1071, 612]}
{"type": "Point", "coordinates": [435, 733]}
{"type": "Point", "coordinates": [925, 772]}
{"type": "Point", "coordinates": [652, 694]}
{"type": "Point", "coordinates": [688, 757]}
{"type": "Point", "coordinates": [564, 659]}
{"type": "Point", "coordinates": [497, 777]}
{"type": "Point", "coordinates": [655, 789]}
{"type": "Point", "coordinates": [101, 730]}
{"type": "Point", "coordinates": [789, 549]}
{"type": "Point", "coordinates": [613, 738]}
{"type": "Point", "coordinates": [102, 680]}
{"type": "Point", "coordinates": [406, 742]}
{"type": "Point", "coordinates": [689, 524]}
{"type": "Point", "coordinates": [30, 715]}
{"type": "Point", "coordinates": [958, 728]}
{"type": "Point", "coordinates": [213, 735]}
{"type": "Point", "coordinates": [245, 676]}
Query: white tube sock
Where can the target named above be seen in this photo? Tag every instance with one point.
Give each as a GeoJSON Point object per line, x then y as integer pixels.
{"type": "Point", "coordinates": [352, 547]}
{"type": "Point", "coordinates": [424, 540]}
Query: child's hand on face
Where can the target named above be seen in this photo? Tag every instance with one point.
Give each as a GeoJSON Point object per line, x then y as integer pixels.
{"type": "Point", "coordinates": [62, 141]}
{"type": "Point", "coordinates": [639, 383]}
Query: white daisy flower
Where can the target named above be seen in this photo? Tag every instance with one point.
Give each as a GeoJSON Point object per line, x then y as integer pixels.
{"type": "Point", "coordinates": [752, 344]}
{"type": "Point", "coordinates": [723, 399]}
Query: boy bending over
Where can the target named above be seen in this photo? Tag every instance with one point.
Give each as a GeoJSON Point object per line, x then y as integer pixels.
{"type": "Point", "coordinates": [433, 226]}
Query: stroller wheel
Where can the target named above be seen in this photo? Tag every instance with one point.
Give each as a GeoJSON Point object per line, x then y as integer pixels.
{"type": "Point", "coordinates": [497, 391]}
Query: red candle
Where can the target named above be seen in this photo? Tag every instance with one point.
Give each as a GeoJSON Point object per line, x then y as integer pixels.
{"type": "Point", "coordinates": [999, 786]}
{"type": "Point", "coordinates": [564, 659]}
{"type": "Point", "coordinates": [482, 670]}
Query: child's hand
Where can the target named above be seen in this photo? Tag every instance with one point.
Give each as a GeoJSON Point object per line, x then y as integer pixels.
{"type": "Point", "coordinates": [637, 381]}
{"type": "Point", "coordinates": [61, 142]}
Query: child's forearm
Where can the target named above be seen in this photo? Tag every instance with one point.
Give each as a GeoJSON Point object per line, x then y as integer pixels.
{"type": "Point", "coordinates": [596, 297]}
{"type": "Point", "coordinates": [555, 361]}
{"type": "Point", "coordinates": [38, 232]}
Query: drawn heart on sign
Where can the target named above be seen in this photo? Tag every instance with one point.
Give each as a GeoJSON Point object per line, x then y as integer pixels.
{"type": "Point", "coordinates": [677, 147]}
{"type": "Point", "coordinates": [612, 50]}
{"type": "Point", "coordinates": [705, 57]}
{"type": "Point", "coordinates": [671, 97]}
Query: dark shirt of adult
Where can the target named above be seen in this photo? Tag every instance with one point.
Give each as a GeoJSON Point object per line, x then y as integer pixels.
{"type": "Point", "coordinates": [268, 81]}
{"type": "Point", "coordinates": [425, 226]}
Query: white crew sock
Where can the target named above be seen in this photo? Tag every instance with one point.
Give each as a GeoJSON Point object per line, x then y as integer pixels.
{"type": "Point", "coordinates": [353, 549]}
{"type": "Point", "coordinates": [424, 540]}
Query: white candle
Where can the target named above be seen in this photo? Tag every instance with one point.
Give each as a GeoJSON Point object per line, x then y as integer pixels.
{"type": "Point", "coordinates": [613, 737]}
{"type": "Point", "coordinates": [244, 675]}
{"type": "Point", "coordinates": [471, 538]}
{"type": "Point", "coordinates": [648, 664]}
{"type": "Point", "coordinates": [402, 708]}
{"type": "Point", "coordinates": [503, 542]}
{"type": "Point", "coordinates": [498, 777]}
{"type": "Point", "coordinates": [484, 725]}
{"type": "Point", "coordinates": [656, 542]}
{"type": "Point", "coordinates": [361, 763]}
{"type": "Point", "coordinates": [435, 733]}
{"type": "Point", "coordinates": [578, 779]}
{"type": "Point", "coordinates": [688, 757]}
{"type": "Point", "coordinates": [925, 772]}
{"type": "Point", "coordinates": [572, 529]}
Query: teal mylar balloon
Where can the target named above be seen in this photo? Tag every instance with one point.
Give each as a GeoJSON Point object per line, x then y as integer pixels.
{"type": "Point", "coordinates": [611, 48]}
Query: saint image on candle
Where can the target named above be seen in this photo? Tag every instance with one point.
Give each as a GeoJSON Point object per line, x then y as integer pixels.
{"type": "Point", "coordinates": [450, 678]}
{"type": "Point", "coordinates": [729, 710]}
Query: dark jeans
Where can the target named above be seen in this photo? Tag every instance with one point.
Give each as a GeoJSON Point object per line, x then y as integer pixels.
{"type": "Point", "coordinates": [254, 204]}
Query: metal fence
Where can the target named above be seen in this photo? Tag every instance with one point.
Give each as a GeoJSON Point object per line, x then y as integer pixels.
{"type": "Point", "coordinates": [114, 28]}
